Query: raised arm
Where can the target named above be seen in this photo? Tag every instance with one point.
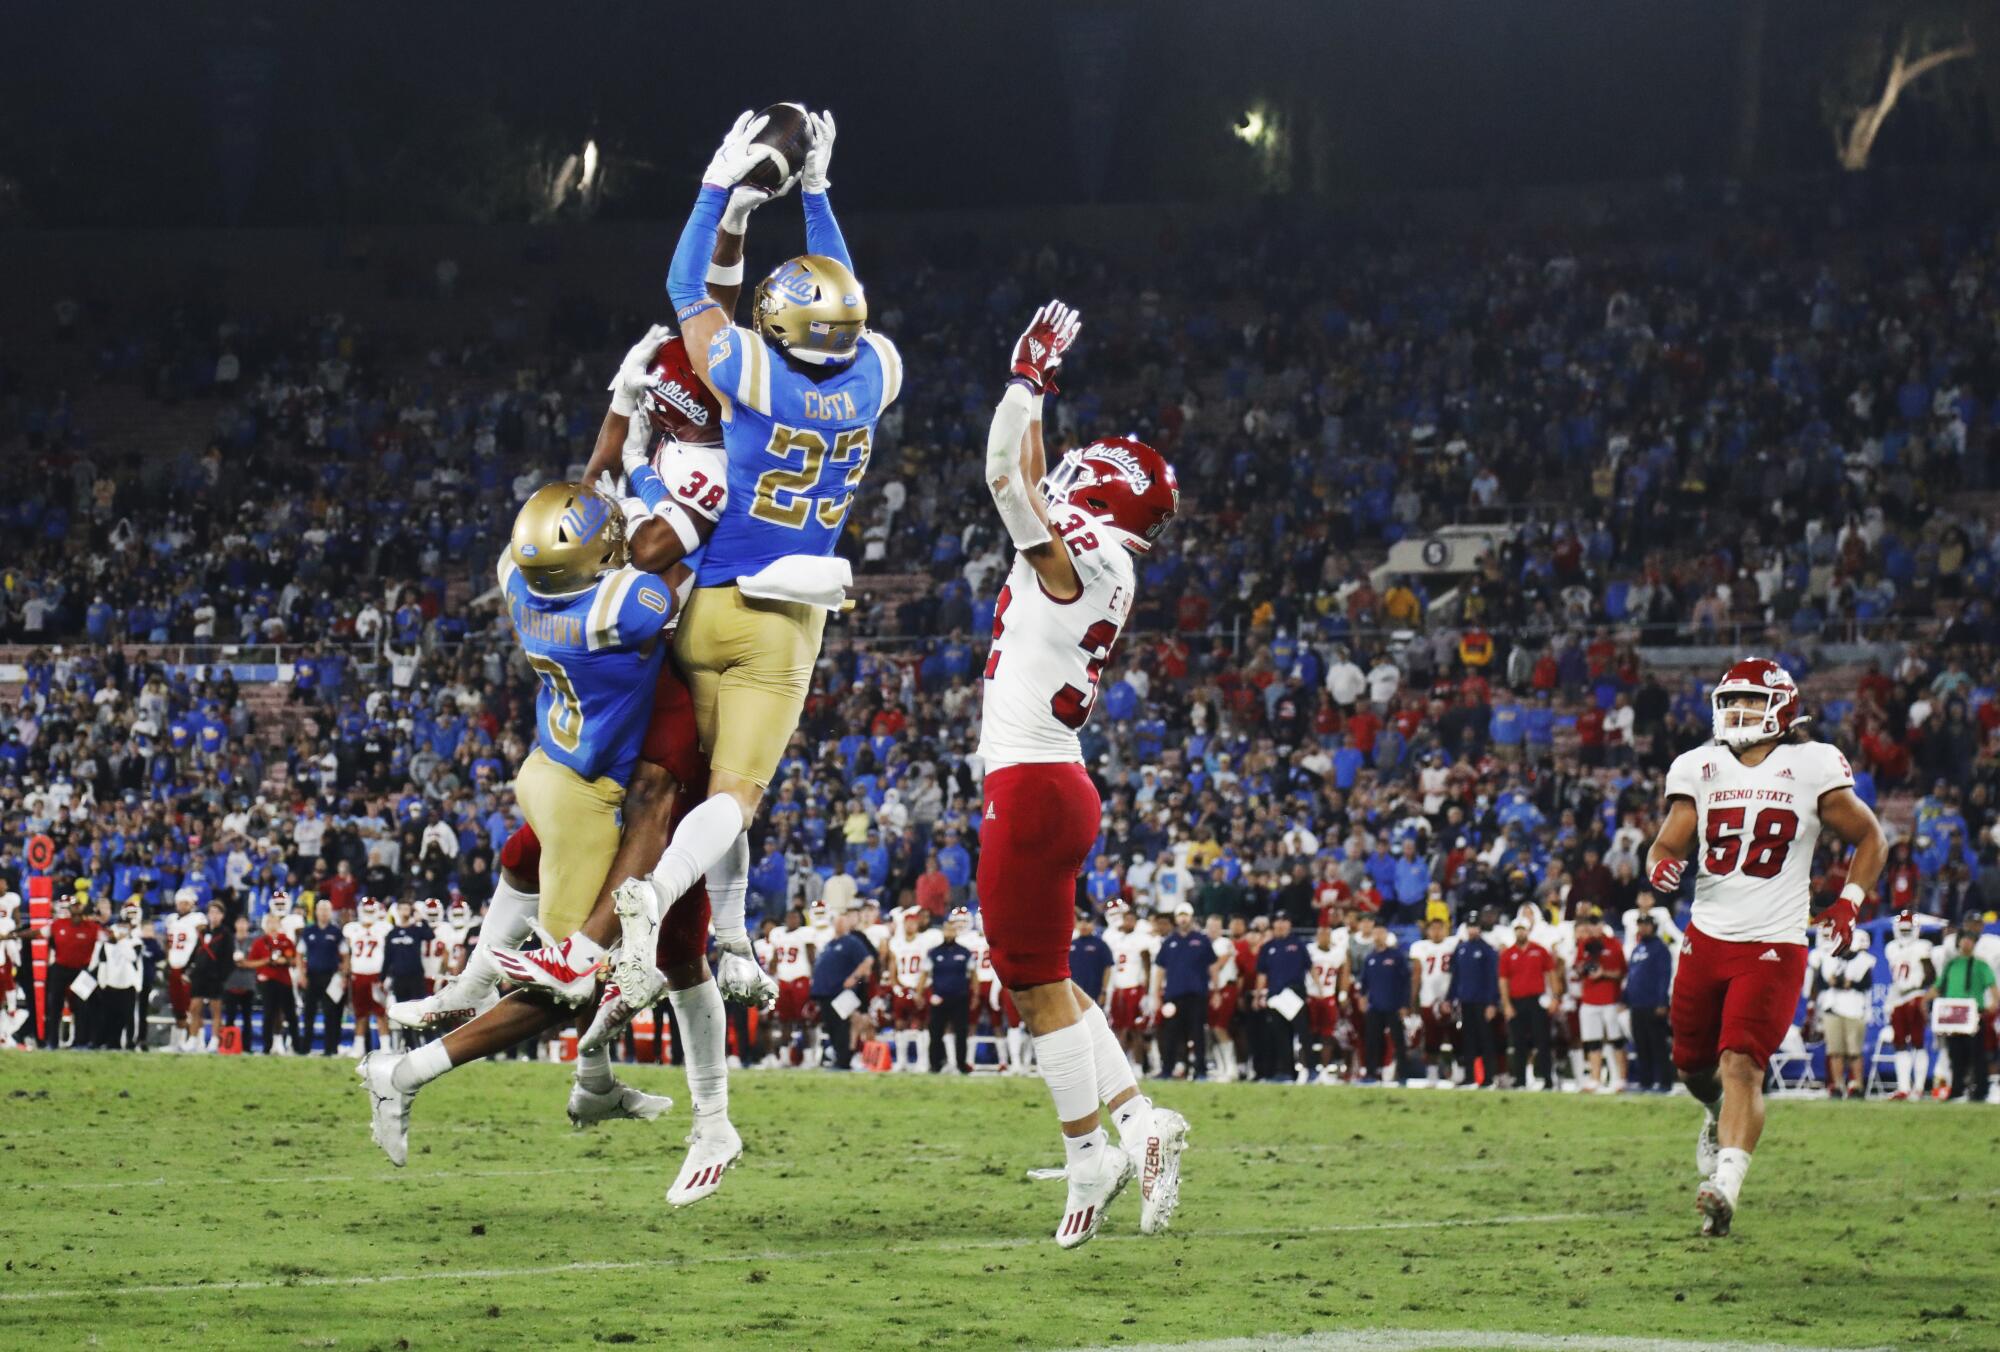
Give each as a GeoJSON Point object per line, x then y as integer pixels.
{"type": "Point", "coordinates": [822, 230]}
{"type": "Point", "coordinates": [1014, 449]}
{"type": "Point", "coordinates": [700, 316]}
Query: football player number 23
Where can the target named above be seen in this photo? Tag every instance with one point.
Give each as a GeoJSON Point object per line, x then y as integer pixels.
{"type": "Point", "coordinates": [565, 709]}
{"type": "Point", "coordinates": [784, 495]}
{"type": "Point", "coordinates": [1760, 850]}
{"type": "Point", "coordinates": [1070, 705]}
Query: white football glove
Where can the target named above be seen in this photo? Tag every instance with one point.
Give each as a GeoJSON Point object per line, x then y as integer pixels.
{"type": "Point", "coordinates": [738, 154]}
{"type": "Point", "coordinates": [744, 199]}
{"type": "Point", "coordinates": [742, 981]}
{"type": "Point", "coordinates": [638, 442]}
{"type": "Point", "coordinates": [812, 178]}
{"type": "Point", "coordinates": [634, 371]}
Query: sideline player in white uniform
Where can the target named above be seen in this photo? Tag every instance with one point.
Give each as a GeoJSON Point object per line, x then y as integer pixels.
{"type": "Point", "coordinates": [903, 955]}
{"type": "Point", "coordinates": [1325, 979]}
{"type": "Point", "coordinates": [184, 929]}
{"type": "Point", "coordinates": [367, 942]}
{"type": "Point", "coordinates": [1753, 802]}
{"type": "Point", "coordinates": [1910, 957]}
{"type": "Point", "coordinates": [1066, 598]}
{"type": "Point", "coordinates": [1132, 949]}
{"type": "Point", "coordinates": [793, 947]}
{"type": "Point", "coordinates": [1430, 988]}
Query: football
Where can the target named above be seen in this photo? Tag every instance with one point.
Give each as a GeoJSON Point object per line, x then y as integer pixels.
{"type": "Point", "coordinates": [787, 134]}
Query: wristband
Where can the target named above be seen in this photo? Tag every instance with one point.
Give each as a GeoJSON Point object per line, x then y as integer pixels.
{"type": "Point", "coordinates": [677, 517]}
{"type": "Point", "coordinates": [1854, 894]}
{"type": "Point", "coordinates": [623, 403]}
{"type": "Point", "coordinates": [730, 274]}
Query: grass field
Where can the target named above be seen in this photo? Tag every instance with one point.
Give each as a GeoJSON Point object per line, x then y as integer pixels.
{"type": "Point", "coordinates": [168, 1202]}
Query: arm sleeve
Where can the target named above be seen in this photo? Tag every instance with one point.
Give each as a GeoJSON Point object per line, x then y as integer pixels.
{"type": "Point", "coordinates": [687, 275]}
{"type": "Point", "coordinates": [644, 482]}
{"type": "Point", "coordinates": [739, 366]}
{"type": "Point", "coordinates": [822, 230]}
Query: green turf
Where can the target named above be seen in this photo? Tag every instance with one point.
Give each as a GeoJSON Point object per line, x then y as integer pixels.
{"type": "Point", "coordinates": [886, 1212]}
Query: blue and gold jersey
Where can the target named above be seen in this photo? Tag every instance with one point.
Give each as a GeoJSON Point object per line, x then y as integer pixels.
{"type": "Point", "coordinates": [798, 447]}
{"type": "Point", "coordinates": [596, 657]}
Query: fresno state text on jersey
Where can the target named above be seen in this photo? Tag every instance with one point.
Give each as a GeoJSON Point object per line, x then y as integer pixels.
{"type": "Point", "coordinates": [1048, 655]}
{"type": "Point", "coordinates": [1756, 830]}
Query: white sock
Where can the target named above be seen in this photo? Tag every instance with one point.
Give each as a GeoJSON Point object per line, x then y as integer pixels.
{"type": "Point", "coordinates": [704, 1046]}
{"type": "Point", "coordinates": [1078, 1149]}
{"type": "Point", "coordinates": [1069, 1070]}
{"type": "Point", "coordinates": [1114, 1072]}
{"type": "Point", "coordinates": [1133, 1118]}
{"type": "Point", "coordinates": [593, 1070]}
{"type": "Point", "coordinates": [584, 950]}
{"type": "Point", "coordinates": [728, 884]}
{"type": "Point", "coordinates": [699, 843]}
{"type": "Point", "coordinates": [510, 918]}
{"type": "Point", "coordinates": [1014, 1040]}
{"type": "Point", "coordinates": [1902, 1071]}
{"type": "Point", "coordinates": [1730, 1166]}
{"type": "Point", "coordinates": [420, 1067]}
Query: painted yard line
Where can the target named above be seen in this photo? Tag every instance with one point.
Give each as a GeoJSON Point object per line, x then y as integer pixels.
{"type": "Point", "coordinates": [758, 1256]}
{"type": "Point", "coordinates": [1450, 1340]}
{"type": "Point", "coordinates": [400, 1178]}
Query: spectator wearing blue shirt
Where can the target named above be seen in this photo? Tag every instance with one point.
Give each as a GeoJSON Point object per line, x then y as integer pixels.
{"type": "Point", "coordinates": [1475, 989]}
{"type": "Point", "coordinates": [769, 879]}
{"type": "Point", "coordinates": [1506, 728]}
{"type": "Point", "coordinates": [842, 966]}
{"type": "Point", "coordinates": [1182, 969]}
{"type": "Point", "coordinates": [1538, 728]}
{"type": "Point", "coordinates": [1347, 763]}
{"type": "Point", "coordinates": [956, 861]}
{"type": "Point", "coordinates": [1649, 980]}
{"type": "Point", "coordinates": [948, 984]}
{"type": "Point", "coordinates": [1282, 964]}
{"type": "Point", "coordinates": [1385, 999]}
{"type": "Point", "coordinates": [1411, 880]}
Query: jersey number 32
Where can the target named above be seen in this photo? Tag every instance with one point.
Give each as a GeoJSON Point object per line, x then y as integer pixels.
{"type": "Point", "coordinates": [1070, 706]}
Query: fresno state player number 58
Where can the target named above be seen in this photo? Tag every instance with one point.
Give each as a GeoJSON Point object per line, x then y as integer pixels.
{"type": "Point", "coordinates": [1070, 705]}
{"type": "Point", "coordinates": [1770, 840]}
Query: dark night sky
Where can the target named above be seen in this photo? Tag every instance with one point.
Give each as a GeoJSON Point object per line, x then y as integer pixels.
{"type": "Point", "coordinates": [201, 113]}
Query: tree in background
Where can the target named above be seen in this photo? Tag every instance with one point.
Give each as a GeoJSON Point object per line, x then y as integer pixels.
{"type": "Point", "coordinates": [1880, 55]}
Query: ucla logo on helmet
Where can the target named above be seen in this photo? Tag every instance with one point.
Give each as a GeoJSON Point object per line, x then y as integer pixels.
{"type": "Point", "coordinates": [794, 284]}
{"type": "Point", "coordinates": [584, 517]}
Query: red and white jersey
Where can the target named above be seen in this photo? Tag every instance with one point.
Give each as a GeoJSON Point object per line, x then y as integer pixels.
{"type": "Point", "coordinates": [1323, 977]}
{"type": "Point", "coordinates": [367, 945]}
{"type": "Point", "coordinates": [982, 957]}
{"type": "Point", "coordinates": [437, 953]}
{"type": "Point", "coordinates": [791, 954]}
{"type": "Point", "coordinates": [906, 957]}
{"type": "Point", "coordinates": [819, 936]}
{"type": "Point", "coordinates": [183, 934]}
{"type": "Point", "coordinates": [1757, 828]}
{"type": "Point", "coordinates": [290, 925]}
{"type": "Point", "coordinates": [1225, 975]}
{"type": "Point", "coordinates": [1047, 655]}
{"type": "Point", "coordinates": [1129, 956]}
{"type": "Point", "coordinates": [696, 479]}
{"type": "Point", "coordinates": [1434, 968]}
{"type": "Point", "coordinates": [1906, 959]}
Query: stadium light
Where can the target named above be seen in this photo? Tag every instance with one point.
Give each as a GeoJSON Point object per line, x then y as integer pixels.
{"type": "Point", "coordinates": [1253, 129]}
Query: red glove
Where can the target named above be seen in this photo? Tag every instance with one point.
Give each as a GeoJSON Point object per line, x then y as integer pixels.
{"type": "Point", "coordinates": [1666, 876]}
{"type": "Point", "coordinates": [1039, 350]}
{"type": "Point", "coordinates": [1839, 919]}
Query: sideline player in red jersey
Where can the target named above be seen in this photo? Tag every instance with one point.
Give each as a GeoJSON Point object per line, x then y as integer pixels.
{"type": "Point", "coordinates": [1754, 802]}
{"type": "Point", "coordinates": [1065, 600]}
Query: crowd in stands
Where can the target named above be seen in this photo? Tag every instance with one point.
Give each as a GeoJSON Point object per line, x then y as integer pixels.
{"type": "Point", "coordinates": [1765, 432]}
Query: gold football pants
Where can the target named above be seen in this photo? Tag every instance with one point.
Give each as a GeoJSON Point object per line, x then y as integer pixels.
{"type": "Point", "coordinates": [748, 663]}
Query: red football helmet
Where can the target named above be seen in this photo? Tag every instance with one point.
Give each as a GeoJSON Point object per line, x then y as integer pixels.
{"type": "Point", "coordinates": [1906, 924]}
{"type": "Point", "coordinates": [1124, 485]}
{"type": "Point", "coordinates": [432, 911]}
{"type": "Point", "coordinates": [676, 401]}
{"type": "Point", "coordinates": [1777, 713]}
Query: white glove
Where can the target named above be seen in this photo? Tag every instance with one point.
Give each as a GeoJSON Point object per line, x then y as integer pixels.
{"type": "Point", "coordinates": [744, 199]}
{"type": "Point", "coordinates": [635, 370]}
{"type": "Point", "coordinates": [812, 178]}
{"type": "Point", "coordinates": [638, 442]}
{"type": "Point", "coordinates": [738, 154]}
{"type": "Point", "coordinates": [741, 980]}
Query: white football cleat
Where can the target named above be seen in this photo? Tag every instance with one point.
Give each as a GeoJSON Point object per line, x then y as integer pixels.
{"type": "Point", "coordinates": [640, 912]}
{"type": "Point", "coordinates": [559, 970]}
{"type": "Point", "coordinates": [1708, 1146]}
{"type": "Point", "coordinates": [588, 1107]}
{"type": "Point", "coordinates": [631, 988]}
{"type": "Point", "coordinates": [1159, 1167]}
{"type": "Point", "coordinates": [1091, 1193]}
{"type": "Point", "coordinates": [742, 981]}
{"type": "Point", "coordinates": [437, 1013]}
{"type": "Point", "coordinates": [713, 1149]}
{"type": "Point", "coordinates": [1717, 1211]}
{"type": "Point", "coordinates": [390, 1125]}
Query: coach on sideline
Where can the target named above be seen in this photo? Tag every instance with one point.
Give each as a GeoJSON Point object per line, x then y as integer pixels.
{"type": "Point", "coordinates": [321, 943]}
{"type": "Point", "coordinates": [1527, 980]}
{"type": "Point", "coordinates": [841, 968]}
{"type": "Point", "coordinates": [1182, 967]}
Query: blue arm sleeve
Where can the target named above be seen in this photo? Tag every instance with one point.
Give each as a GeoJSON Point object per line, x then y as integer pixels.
{"type": "Point", "coordinates": [687, 275]}
{"type": "Point", "coordinates": [647, 486]}
{"type": "Point", "coordinates": [822, 231]}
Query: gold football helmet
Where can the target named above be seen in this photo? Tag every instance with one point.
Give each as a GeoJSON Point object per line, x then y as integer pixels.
{"type": "Point", "coordinates": [811, 308]}
{"type": "Point", "coordinates": [566, 537]}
